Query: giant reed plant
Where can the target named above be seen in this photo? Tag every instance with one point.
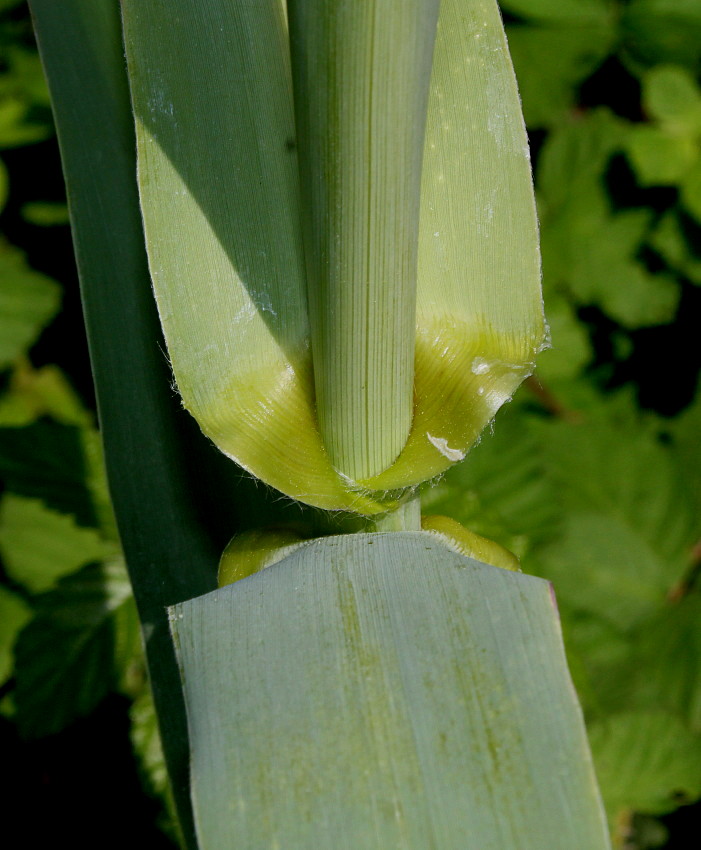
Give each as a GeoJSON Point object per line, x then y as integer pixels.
{"type": "Point", "coordinates": [338, 215]}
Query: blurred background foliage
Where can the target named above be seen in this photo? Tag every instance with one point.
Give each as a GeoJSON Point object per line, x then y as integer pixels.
{"type": "Point", "coordinates": [592, 475]}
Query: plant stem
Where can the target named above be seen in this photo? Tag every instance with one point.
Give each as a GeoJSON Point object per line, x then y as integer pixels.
{"type": "Point", "coordinates": [407, 517]}
{"type": "Point", "coordinates": [361, 76]}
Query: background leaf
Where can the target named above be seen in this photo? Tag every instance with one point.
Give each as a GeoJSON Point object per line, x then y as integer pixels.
{"type": "Point", "coordinates": [65, 658]}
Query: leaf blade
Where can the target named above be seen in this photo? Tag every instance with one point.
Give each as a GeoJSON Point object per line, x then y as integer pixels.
{"type": "Point", "coordinates": [426, 680]}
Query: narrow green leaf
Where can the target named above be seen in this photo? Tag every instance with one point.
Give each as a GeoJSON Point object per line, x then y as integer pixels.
{"type": "Point", "coordinates": [381, 691]}
{"type": "Point", "coordinates": [150, 446]}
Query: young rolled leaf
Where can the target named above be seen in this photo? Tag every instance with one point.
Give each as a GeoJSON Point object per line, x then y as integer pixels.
{"type": "Point", "coordinates": [212, 96]}
{"type": "Point", "coordinates": [379, 690]}
{"type": "Point", "coordinates": [361, 79]}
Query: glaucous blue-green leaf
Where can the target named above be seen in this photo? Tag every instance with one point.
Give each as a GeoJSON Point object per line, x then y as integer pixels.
{"type": "Point", "coordinates": [380, 690]}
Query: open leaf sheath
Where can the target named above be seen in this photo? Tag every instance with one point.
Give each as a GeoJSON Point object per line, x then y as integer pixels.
{"type": "Point", "coordinates": [379, 690]}
{"type": "Point", "coordinates": [212, 95]}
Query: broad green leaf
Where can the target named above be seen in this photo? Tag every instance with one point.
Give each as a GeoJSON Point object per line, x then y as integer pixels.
{"type": "Point", "coordinates": [660, 157]}
{"type": "Point", "coordinates": [194, 494]}
{"type": "Point", "coordinates": [655, 31]}
{"type": "Point", "coordinates": [45, 213]}
{"type": "Point", "coordinates": [647, 762]}
{"type": "Point", "coordinates": [4, 185]}
{"type": "Point", "coordinates": [599, 653]}
{"type": "Point", "coordinates": [39, 546]}
{"type": "Point", "coordinates": [685, 430]}
{"type": "Point", "coordinates": [601, 565]}
{"type": "Point", "coordinates": [502, 490]}
{"type": "Point", "coordinates": [28, 300]}
{"type": "Point", "coordinates": [623, 472]}
{"type": "Point", "coordinates": [586, 247]}
{"type": "Point", "coordinates": [34, 393]}
{"type": "Point", "coordinates": [47, 461]}
{"type": "Point", "coordinates": [663, 670]}
{"type": "Point", "coordinates": [146, 741]}
{"type": "Point", "coordinates": [570, 349]}
{"type": "Point", "coordinates": [594, 256]}
{"type": "Point", "coordinates": [691, 190]}
{"type": "Point", "coordinates": [669, 239]}
{"type": "Point", "coordinates": [379, 691]}
{"type": "Point", "coordinates": [671, 95]}
{"type": "Point", "coordinates": [65, 658]}
{"type": "Point", "coordinates": [14, 615]}
{"type": "Point", "coordinates": [24, 116]}
{"type": "Point", "coordinates": [574, 156]}
{"type": "Point", "coordinates": [629, 525]}
{"type": "Point", "coordinates": [552, 61]}
{"type": "Point", "coordinates": [573, 12]}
